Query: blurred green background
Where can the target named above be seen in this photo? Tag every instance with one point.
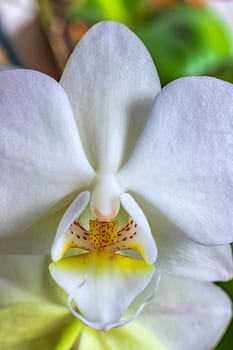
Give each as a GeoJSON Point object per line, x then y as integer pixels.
{"type": "Point", "coordinates": [191, 37]}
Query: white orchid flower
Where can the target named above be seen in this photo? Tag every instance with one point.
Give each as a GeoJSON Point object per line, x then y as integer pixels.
{"type": "Point", "coordinates": [133, 188]}
{"type": "Point", "coordinates": [184, 314]}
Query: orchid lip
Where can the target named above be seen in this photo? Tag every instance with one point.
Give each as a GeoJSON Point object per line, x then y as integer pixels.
{"type": "Point", "coordinates": [98, 325]}
{"type": "Point", "coordinates": [92, 265]}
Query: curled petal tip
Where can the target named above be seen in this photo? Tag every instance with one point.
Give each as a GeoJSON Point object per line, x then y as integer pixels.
{"type": "Point", "coordinates": [146, 245]}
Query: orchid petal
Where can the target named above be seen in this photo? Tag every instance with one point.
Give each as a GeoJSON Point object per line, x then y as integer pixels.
{"type": "Point", "coordinates": [102, 286]}
{"type": "Point", "coordinates": [27, 279]}
{"type": "Point", "coordinates": [143, 242]}
{"type": "Point", "coordinates": [41, 231]}
{"type": "Point", "coordinates": [194, 314]}
{"type": "Point", "coordinates": [182, 163]}
{"type": "Point", "coordinates": [62, 241]}
{"type": "Point", "coordinates": [132, 336]}
{"type": "Point", "coordinates": [32, 326]}
{"type": "Point", "coordinates": [42, 160]}
{"type": "Point", "coordinates": [111, 82]}
{"type": "Point", "coordinates": [179, 256]}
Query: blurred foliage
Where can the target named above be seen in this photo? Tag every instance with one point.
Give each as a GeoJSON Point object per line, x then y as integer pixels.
{"type": "Point", "coordinates": [129, 12]}
{"type": "Point", "coordinates": [183, 40]}
{"type": "Point", "coordinates": [186, 41]}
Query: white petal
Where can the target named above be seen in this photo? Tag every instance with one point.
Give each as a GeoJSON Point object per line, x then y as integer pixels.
{"type": "Point", "coordinates": [187, 314]}
{"type": "Point", "coordinates": [179, 256]}
{"type": "Point", "coordinates": [144, 239]}
{"type": "Point", "coordinates": [62, 238]}
{"type": "Point", "coordinates": [102, 286]}
{"type": "Point", "coordinates": [183, 162]}
{"type": "Point", "coordinates": [42, 159]}
{"type": "Point", "coordinates": [41, 231]}
{"type": "Point", "coordinates": [25, 279]}
{"type": "Point", "coordinates": [111, 81]}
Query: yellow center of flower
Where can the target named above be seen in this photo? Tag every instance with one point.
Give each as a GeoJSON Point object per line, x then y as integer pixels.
{"type": "Point", "coordinates": [103, 234]}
